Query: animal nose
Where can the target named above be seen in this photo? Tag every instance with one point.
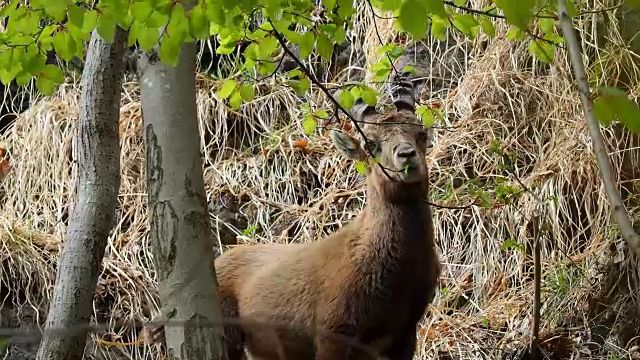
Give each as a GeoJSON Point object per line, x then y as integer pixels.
{"type": "Point", "coordinates": [405, 151]}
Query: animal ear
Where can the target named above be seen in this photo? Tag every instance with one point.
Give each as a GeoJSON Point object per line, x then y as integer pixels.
{"type": "Point", "coordinates": [349, 146]}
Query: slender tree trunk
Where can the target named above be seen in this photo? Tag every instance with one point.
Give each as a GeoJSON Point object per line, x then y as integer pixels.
{"type": "Point", "coordinates": [179, 220]}
{"type": "Point", "coordinates": [97, 197]}
{"type": "Point", "coordinates": [620, 214]}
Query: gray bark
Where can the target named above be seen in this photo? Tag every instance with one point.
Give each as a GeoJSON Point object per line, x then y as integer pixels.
{"type": "Point", "coordinates": [98, 156]}
{"type": "Point", "coordinates": [179, 220]}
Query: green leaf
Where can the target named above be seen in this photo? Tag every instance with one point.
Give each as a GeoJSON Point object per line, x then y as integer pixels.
{"type": "Point", "coordinates": [409, 69]}
{"type": "Point", "coordinates": [228, 86]}
{"type": "Point", "coordinates": [355, 92]}
{"type": "Point", "coordinates": [614, 100]}
{"type": "Point", "coordinates": [198, 23]}
{"type": "Point", "coordinates": [235, 100]}
{"type": "Point", "coordinates": [387, 5]}
{"type": "Point", "coordinates": [157, 19]}
{"type": "Point", "coordinates": [23, 78]}
{"type": "Point", "coordinates": [309, 124]}
{"type": "Point", "coordinates": [57, 9]}
{"type": "Point", "coordinates": [324, 46]}
{"type": "Point", "coordinates": [340, 35]}
{"type": "Point", "coordinates": [141, 10]}
{"type": "Point", "coordinates": [466, 23]}
{"type": "Point", "coordinates": [345, 8]}
{"type": "Point", "coordinates": [225, 49]}
{"type": "Point", "coordinates": [435, 7]}
{"type": "Point", "coordinates": [487, 27]}
{"type": "Point", "coordinates": [517, 13]}
{"type": "Point", "coordinates": [439, 28]}
{"type": "Point", "coordinates": [304, 85]}
{"type": "Point", "coordinates": [247, 92]}
{"type": "Point", "coordinates": [321, 114]}
{"type": "Point", "coordinates": [33, 62]}
{"type": "Point", "coordinates": [396, 51]}
{"type": "Point", "coordinates": [633, 3]}
{"type": "Point", "coordinates": [542, 50]}
{"type": "Point", "coordinates": [361, 167]}
{"type": "Point", "coordinates": [267, 47]}
{"type": "Point", "coordinates": [329, 4]}
{"type": "Point", "coordinates": [76, 16]}
{"type": "Point", "coordinates": [45, 86]}
{"type": "Point", "coordinates": [307, 41]}
{"type": "Point", "coordinates": [426, 115]}
{"type": "Point", "coordinates": [603, 111]}
{"type": "Point", "coordinates": [178, 25]}
{"type": "Point", "coordinates": [413, 18]}
{"type": "Point", "coordinates": [148, 38]}
{"type": "Point", "coordinates": [170, 50]}
{"type": "Point", "coordinates": [215, 13]}
{"type": "Point", "coordinates": [516, 34]}
{"type": "Point", "coordinates": [346, 99]}
{"type": "Point", "coordinates": [106, 27]}
{"type": "Point", "coordinates": [90, 21]}
{"type": "Point", "coordinates": [370, 97]}
{"type": "Point", "coordinates": [546, 25]}
{"type": "Point", "coordinates": [571, 8]}
{"type": "Point", "coordinates": [381, 70]}
{"type": "Point", "coordinates": [7, 75]}
{"type": "Point", "coordinates": [23, 22]}
{"type": "Point", "coordinates": [53, 73]}
{"type": "Point", "coordinates": [265, 68]}
{"type": "Point", "coordinates": [65, 45]}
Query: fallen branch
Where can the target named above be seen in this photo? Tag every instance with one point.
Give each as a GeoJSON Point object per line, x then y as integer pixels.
{"type": "Point", "coordinates": [602, 157]}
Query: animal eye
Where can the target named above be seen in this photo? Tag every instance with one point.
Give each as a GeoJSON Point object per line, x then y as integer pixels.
{"type": "Point", "coordinates": [372, 146]}
{"type": "Point", "coordinates": [423, 135]}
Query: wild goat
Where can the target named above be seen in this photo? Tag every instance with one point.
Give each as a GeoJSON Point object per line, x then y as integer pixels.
{"type": "Point", "coordinates": [370, 281]}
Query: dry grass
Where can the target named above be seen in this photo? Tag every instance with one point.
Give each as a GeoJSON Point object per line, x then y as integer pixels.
{"type": "Point", "coordinates": [288, 195]}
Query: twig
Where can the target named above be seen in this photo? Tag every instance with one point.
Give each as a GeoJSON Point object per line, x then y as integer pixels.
{"type": "Point", "coordinates": [537, 273]}
{"type": "Point", "coordinates": [602, 157]}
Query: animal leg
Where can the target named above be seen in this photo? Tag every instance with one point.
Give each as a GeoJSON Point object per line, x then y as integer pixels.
{"type": "Point", "coordinates": [403, 347]}
{"type": "Point", "coordinates": [234, 336]}
{"type": "Point", "coordinates": [153, 333]}
{"type": "Point", "coordinates": [334, 343]}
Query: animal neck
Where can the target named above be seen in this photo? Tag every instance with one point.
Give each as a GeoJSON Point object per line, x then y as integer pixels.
{"type": "Point", "coordinates": [398, 218]}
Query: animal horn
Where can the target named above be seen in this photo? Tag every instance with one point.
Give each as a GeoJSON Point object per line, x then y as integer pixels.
{"type": "Point", "coordinates": [402, 92]}
{"type": "Point", "coordinates": [360, 110]}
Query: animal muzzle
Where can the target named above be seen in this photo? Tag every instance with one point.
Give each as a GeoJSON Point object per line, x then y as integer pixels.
{"type": "Point", "coordinates": [405, 155]}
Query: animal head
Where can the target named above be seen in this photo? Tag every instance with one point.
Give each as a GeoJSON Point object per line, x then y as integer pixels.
{"type": "Point", "coordinates": [396, 138]}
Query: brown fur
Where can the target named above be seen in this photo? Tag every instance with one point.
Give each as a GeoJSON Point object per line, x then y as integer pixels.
{"type": "Point", "coordinates": [372, 280]}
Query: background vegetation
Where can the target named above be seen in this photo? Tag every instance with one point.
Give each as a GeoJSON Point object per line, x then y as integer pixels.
{"type": "Point", "coordinates": [510, 135]}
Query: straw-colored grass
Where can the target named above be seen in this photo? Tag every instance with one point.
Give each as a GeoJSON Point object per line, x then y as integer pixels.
{"type": "Point", "coordinates": [483, 310]}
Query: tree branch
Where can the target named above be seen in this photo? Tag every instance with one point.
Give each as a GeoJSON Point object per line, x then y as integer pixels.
{"type": "Point", "coordinates": [324, 89]}
{"type": "Point", "coordinates": [602, 157]}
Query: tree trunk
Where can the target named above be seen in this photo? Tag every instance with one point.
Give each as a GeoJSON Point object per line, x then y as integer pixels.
{"type": "Point", "coordinates": [179, 220]}
{"type": "Point", "coordinates": [98, 155]}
